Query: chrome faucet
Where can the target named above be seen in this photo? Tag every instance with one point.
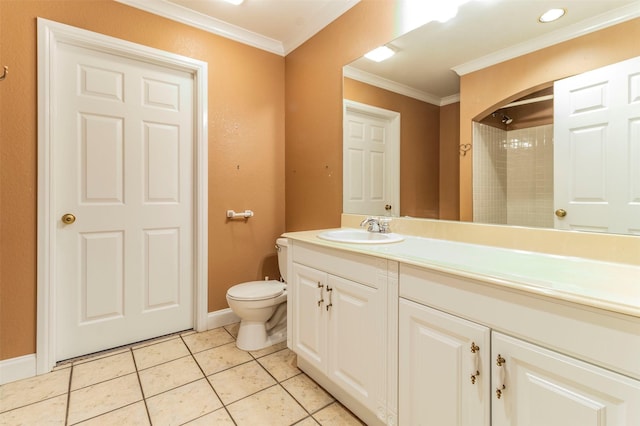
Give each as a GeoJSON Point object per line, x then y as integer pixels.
{"type": "Point", "coordinates": [375, 224]}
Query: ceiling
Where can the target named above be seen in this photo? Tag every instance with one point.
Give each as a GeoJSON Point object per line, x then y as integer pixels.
{"type": "Point", "coordinates": [278, 26]}
{"type": "Point", "coordinates": [430, 58]}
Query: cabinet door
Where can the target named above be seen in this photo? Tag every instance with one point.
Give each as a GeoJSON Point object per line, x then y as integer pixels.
{"type": "Point", "coordinates": [542, 387]}
{"type": "Point", "coordinates": [439, 353]}
{"type": "Point", "coordinates": [357, 341]}
{"type": "Point", "coordinates": [309, 315]}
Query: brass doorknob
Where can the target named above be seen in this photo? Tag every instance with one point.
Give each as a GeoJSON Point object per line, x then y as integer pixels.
{"type": "Point", "coordinates": [68, 218]}
{"type": "Point", "coordinates": [561, 213]}
{"type": "Point", "coordinates": [387, 207]}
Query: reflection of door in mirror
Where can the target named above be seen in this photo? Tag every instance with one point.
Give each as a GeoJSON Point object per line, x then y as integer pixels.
{"type": "Point", "coordinates": [371, 145]}
{"type": "Point", "coordinates": [420, 131]}
{"type": "Point", "coordinates": [597, 150]}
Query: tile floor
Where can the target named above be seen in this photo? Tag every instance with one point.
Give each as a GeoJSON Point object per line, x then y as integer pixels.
{"type": "Point", "coordinates": [189, 378]}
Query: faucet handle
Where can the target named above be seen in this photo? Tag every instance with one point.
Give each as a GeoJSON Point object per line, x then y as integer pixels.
{"type": "Point", "coordinates": [385, 225]}
{"type": "Point", "coordinates": [366, 221]}
{"type": "Point", "coordinates": [373, 224]}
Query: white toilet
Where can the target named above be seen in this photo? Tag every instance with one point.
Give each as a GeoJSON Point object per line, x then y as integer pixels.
{"type": "Point", "coordinates": [262, 307]}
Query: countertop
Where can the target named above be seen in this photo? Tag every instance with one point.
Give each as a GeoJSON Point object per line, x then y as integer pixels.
{"type": "Point", "coordinates": [604, 285]}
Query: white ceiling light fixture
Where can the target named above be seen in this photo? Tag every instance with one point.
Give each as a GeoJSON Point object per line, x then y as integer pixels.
{"type": "Point", "coordinates": [380, 54]}
{"type": "Point", "coordinates": [234, 2]}
{"type": "Point", "coordinates": [551, 15]}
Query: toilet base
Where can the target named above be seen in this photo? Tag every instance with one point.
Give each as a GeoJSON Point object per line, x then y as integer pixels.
{"type": "Point", "coordinates": [253, 336]}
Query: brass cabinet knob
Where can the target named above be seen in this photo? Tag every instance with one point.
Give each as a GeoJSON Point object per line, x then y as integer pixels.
{"type": "Point", "coordinates": [68, 218]}
{"type": "Point", "coordinates": [561, 212]}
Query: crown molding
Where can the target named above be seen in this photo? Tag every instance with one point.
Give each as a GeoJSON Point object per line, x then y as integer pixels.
{"type": "Point", "coordinates": [608, 19]}
{"type": "Point", "coordinates": [393, 86]}
{"type": "Point", "coordinates": [207, 23]}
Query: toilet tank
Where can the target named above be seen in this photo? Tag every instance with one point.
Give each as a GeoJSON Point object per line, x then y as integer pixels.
{"type": "Point", "coordinates": [281, 245]}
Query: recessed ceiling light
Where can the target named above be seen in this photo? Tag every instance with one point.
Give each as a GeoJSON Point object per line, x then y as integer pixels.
{"type": "Point", "coordinates": [551, 15]}
{"type": "Point", "coordinates": [379, 54]}
{"type": "Point", "coordinates": [236, 2]}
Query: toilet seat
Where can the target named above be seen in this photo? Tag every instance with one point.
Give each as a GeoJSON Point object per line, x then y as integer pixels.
{"type": "Point", "coordinates": [256, 290]}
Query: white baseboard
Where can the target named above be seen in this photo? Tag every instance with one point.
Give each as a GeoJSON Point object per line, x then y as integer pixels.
{"type": "Point", "coordinates": [220, 318]}
{"type": "Point", "coordinates": [21, 367]}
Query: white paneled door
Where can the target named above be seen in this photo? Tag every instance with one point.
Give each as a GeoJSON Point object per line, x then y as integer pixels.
{"type": "Point", "coordinates": [371, 160]}
{"type": "Point", "coordinates": [124, 158]}
{"type": "Point", "coordinates": [597, 150]}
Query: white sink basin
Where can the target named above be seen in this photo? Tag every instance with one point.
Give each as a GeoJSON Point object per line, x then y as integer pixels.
{"type": "Point", "coordinates": [358, 236]}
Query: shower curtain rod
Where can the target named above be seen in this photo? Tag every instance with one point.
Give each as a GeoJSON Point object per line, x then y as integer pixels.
{"type": "Point", "coordinates": [528, 101]}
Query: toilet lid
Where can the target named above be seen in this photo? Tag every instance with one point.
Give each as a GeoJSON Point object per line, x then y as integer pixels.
{"type": "Point", "coordinates": [256, 290]}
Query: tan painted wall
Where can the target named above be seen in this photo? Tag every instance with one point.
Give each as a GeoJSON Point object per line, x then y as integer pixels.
{"type": "Point", "coordinates": [419, 145]}
{"type": "Point", "coordinates": [482, 91]}
{"type": "Point", "coordinates": [314, 112]}
{"type": "Point", "coordinates": [449, 163]}
{"type": "Point", "coordinates": [246, 149]}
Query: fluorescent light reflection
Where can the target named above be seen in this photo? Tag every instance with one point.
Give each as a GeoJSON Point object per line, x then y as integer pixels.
{"type": "Point", "coordinates": [379, 54]}
{"type": "Point", "coordinates": [552, 15]}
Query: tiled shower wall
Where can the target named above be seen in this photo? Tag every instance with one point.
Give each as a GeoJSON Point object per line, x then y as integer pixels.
{"type": "Point", "coordinates": [513, 176]}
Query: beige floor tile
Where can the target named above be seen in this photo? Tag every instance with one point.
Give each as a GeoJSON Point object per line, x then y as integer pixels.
{"type": "Point", "coordinates": [272, 406]}
{"type": "Point", "coordinates": [151, 355]}
{"type": "Point", "coordinates": [102, 369]}
{"type": "Point", "coordinates": [233, 329]}
{"type": "Point", "coordinates": [336, 414]}
{"type": "Point", "coordinates": [209, 339]}
{"type": "Point", "coordinates": [218, 417]}
{"type": "Point", "coordinates": [269, 350]}
{"type": "Point", "coordinates": [103, 397]}
{"type": "Point", "coordinates": [221, 358]}
{"type": "Point", "coordinates": [169, 375]}
{"type": "Point", "coordinates": [49, 412]}
{"type": "Point", "coordinates": [240, 381]}
{"type": "Point", "coordinates": [281, 364]}
{"type": "Point", "coordinates": [34, 389]}
{"type": "Point", "coordinates": [134, 415]}
{"type": "Point", "coordinates": [160, 339]}
{"type": "Point", "coordinates": [309, 421]}
{"type": "Point", "coordinates": [307, 392]}
{"type": "Point", "coordinates": [183, 404]}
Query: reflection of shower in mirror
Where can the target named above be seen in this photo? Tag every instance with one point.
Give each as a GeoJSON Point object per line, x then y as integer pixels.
{"type": "Point", "coordinates": [505, 118]}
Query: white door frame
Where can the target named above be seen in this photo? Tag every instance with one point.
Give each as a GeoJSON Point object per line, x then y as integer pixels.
{"type": "Point", "coordinates": [393, 118]}
{"type": "Point", "coordinates": [50, 35]}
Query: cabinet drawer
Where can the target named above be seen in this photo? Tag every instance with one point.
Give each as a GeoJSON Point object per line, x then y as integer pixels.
{"type": "Point", "coordinates": [363, 269]}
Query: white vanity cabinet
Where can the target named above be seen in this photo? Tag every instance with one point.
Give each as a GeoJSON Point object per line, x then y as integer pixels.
{"type": "Point", "coordinates": [307, 303]}
{"type": "Point", "coordinates": [428, 332]}
{"type": "Point", "coordinates": [536, 386]}
{"type": "Point", "coordinates": [339, 322]}
{"type": "Point", "coordinates": [444, 371]}
{"type": "Point", "coordinates": [551, 361]}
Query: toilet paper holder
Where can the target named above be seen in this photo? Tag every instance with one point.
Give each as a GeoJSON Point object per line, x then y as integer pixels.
{"type": "Point", "coordinates": [232, 214]}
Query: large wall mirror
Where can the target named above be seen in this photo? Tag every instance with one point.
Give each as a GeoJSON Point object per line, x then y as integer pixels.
{"type": "Point", "coordinates": [421, 85]}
